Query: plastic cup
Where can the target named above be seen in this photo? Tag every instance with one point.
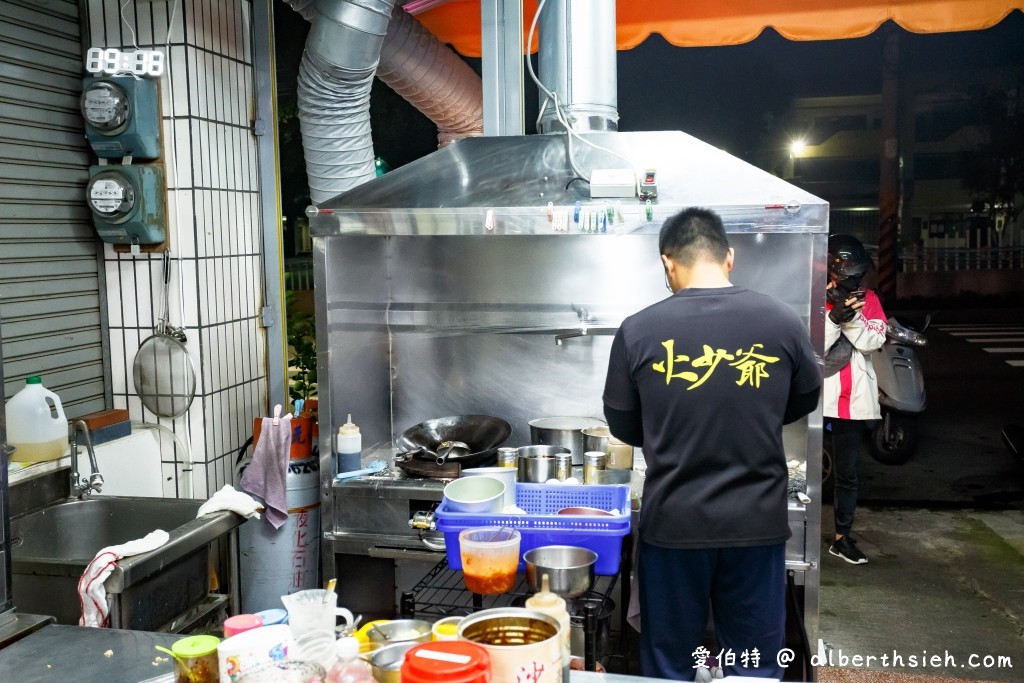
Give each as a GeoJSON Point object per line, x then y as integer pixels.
{"type": "Point", "coordinates": [490, 558]}
{"type": "Point", "coordinates": [314, 610]}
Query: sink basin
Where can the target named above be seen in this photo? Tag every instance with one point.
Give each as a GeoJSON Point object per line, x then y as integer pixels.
{"type": "Point", "coordinates": [51, 547]}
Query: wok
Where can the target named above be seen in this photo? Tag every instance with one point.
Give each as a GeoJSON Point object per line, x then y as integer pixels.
{"type": "Point", "coordinates": [482, 433]}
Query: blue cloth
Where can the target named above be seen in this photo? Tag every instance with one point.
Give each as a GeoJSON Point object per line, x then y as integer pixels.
{"type": "Point", "coordinates": [745, 587]}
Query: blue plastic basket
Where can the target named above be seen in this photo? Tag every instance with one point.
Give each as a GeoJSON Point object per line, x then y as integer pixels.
{"type": "Point", "coordinates": [541, 525]}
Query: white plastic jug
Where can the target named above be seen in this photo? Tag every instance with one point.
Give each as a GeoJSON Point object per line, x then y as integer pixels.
{"type": "Point", "coordinates": [31, 426]}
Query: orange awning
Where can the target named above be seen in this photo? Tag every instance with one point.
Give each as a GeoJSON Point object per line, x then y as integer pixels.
{"type": "Point", "coordinates": [702, 23]}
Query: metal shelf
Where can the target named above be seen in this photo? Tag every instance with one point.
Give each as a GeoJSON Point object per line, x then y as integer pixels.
{"type": "Point", "coordinates": [442, 593]}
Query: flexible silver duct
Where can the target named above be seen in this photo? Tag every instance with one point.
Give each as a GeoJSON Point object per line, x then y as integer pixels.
{"type": "Point", "coordinates": [432, 78]}
{"type": "Point", "coordinates": [576, 59]}
{"type": "Point", "coordinates": [335, 78]}
{"type": "Point", "coordinates": [346, 41]}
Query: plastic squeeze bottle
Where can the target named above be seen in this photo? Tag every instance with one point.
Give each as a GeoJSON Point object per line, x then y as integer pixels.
{"type": "Point", "coordinates": [551, 604]}
{"type": "Point", "coordinates": [349, 668]}
{"type": "Point", "coordinates": [349, 446]}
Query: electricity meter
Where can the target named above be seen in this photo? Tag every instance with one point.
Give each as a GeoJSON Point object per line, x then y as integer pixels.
{"type": "Point", "coordinates": [121, 117]}
{"type": "Point", "coordinates": [127, 203]}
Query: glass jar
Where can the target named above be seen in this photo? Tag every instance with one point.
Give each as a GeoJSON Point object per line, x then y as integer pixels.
{"type": "Point", "coordinates": [620, 455]}
{"type": "Point", "coordinates": [593, 462]}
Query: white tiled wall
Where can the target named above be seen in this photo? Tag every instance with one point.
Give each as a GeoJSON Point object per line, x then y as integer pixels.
{"type": "Point", "coordinates": [212, 169]}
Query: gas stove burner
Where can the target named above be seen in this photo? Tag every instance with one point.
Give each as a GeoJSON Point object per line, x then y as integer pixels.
{"type": "Point", "coordinates": [429, 469]}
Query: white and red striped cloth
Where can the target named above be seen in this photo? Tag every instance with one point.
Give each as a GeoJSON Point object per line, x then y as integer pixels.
{"type": "Point", "coordinates": [92, 594]}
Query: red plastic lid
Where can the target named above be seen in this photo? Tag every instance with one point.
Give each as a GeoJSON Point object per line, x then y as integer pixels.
{"type": "Point", "coordinates": [241, 623]}
{"type": "Point", "coordinates": [451, 661]}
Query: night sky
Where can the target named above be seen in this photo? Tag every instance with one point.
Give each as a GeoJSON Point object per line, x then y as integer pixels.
{"type": "Point", "coordinates": [732, 97]}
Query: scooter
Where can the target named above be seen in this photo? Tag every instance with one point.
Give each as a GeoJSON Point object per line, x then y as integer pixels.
{"type": "Point", "coordinates": [901, 393]}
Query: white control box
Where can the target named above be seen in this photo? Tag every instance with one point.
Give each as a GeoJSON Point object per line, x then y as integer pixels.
{"type": "Point", "coordinates": [612, 182]}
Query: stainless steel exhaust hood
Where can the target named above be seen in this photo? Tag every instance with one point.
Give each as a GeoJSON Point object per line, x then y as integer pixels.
{"type": "Point", "coordinates": [505, 184]}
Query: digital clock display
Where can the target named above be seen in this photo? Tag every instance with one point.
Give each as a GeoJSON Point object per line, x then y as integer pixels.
{"type": "Point", "coordinates": [113, 61]}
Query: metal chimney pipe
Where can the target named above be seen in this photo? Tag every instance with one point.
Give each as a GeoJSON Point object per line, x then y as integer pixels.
{"type": "Point", "coordinates": [577, 62]}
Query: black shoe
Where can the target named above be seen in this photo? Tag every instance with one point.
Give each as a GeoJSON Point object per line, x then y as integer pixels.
{"type": "Point", "coordinates": [846, 548]}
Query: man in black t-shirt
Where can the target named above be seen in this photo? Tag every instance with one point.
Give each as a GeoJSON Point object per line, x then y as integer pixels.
{"type": "Point", "coordinates": [704, 381]}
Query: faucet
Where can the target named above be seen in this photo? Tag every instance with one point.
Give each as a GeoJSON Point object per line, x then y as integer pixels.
{"type": "Point", "coordinates": [581, 331]}
{"type": "Point", "coordinates": [80, 487]}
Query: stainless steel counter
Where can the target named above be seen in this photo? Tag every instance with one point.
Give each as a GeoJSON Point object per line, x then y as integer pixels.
{"type": "Point", "coordinates": [73, 653]}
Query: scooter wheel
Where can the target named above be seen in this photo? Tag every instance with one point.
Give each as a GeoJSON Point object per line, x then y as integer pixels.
{"type": "Point", "coordinates": [897, 446]}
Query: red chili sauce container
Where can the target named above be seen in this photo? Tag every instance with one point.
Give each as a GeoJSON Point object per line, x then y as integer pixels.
{"type": "Point", "coordinates": [447, 661]}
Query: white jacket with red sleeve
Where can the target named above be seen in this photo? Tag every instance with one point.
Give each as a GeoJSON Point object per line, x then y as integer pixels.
{"type": "Point", "coordinates": [852, 393]}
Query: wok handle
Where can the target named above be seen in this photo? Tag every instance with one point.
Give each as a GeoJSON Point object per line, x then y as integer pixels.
{"type": "Point", "coordinates": [441, 457]}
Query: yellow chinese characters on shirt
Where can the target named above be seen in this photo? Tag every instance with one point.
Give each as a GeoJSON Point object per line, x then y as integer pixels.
{"type": "Point", "coordinates": [750, 364]}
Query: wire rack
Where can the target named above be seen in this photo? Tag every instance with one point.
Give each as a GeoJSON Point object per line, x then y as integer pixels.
{"type": "Point", "coordinates": [442, 593]}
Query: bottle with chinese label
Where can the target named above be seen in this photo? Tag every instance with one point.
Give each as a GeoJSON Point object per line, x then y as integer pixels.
{"type": "Point", "coordinates": [349, 447]}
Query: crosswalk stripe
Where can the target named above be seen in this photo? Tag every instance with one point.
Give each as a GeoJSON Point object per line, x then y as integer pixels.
{"type": "Point", "coordinates": [994, 333]}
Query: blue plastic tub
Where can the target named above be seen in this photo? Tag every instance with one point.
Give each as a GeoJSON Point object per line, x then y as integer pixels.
{"type": "Point", "coordinates": [541, 525]}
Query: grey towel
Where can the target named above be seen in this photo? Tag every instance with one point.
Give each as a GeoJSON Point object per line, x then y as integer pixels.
{"type": "Point", "coordinates": [265, 475]}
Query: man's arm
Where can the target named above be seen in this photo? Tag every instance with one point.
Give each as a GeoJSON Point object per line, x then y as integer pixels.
{"type": "Point", "coordinates": [627, 425]}
{"type": "Point", "coordinates": [798, 405]}
{"type": "Point", "coordinates": [621, 399]}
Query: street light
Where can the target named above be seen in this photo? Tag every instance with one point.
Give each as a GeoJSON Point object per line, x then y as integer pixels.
{"type": "Point", "coordinates": [797, 147]}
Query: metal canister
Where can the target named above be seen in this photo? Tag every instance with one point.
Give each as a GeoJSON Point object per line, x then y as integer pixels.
{"type": "Point", "coordinates": [563, 466]}
{"type": "Point", "coordinates": [507, 457]}
{"type": "Point", "coordinates": [593, 462]}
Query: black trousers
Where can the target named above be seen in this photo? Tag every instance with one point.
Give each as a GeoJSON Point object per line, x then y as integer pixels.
{"type": "Point", "coordinates": [847, 436]}
{"type": "Point", "coordinates": [746, 591]}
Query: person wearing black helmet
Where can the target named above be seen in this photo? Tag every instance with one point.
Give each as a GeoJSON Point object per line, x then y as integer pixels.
{"type": "Point", "coordinates": [854, 327]}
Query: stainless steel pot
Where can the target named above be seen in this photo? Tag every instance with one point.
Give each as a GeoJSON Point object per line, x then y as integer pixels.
{"type": "Point", "coordinates": [537, 464]}
{"type": "Point", "coordinates": [570, 569]}
{"type": "Point", "coordinates": [596, 439]}
{"type": "Point", "coordinates": [566, 432]}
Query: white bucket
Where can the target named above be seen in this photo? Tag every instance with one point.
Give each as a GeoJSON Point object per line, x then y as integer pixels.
{"type": "Point", "coordinates": [507, 475]}
{"type": "Point", "coordinates": [536, 654]}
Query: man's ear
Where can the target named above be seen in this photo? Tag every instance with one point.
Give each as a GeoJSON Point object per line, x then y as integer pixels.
{"type": "Point", "coordinates": [730, 257]}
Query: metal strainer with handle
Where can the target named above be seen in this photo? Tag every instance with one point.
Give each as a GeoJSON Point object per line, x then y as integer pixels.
{"type": "Point", "coordinates": [165, 376]}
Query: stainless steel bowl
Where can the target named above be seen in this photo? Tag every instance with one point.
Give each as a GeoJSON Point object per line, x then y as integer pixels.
{"type": "Point", "coordinates": [537, 464]}
{"type": "Point", "coordinates": [386, 663]}
{"type": "Point", "coordinates": [400, 631]}
{"type": "Point", "coordinates": [570, 569]}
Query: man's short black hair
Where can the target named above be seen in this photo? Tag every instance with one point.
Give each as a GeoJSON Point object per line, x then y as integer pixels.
{"type": "Point", "coordinates": [692, 235]}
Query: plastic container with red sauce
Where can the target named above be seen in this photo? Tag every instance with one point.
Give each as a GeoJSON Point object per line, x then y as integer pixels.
{"type": "Point", "coordinates": [447, 661]}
